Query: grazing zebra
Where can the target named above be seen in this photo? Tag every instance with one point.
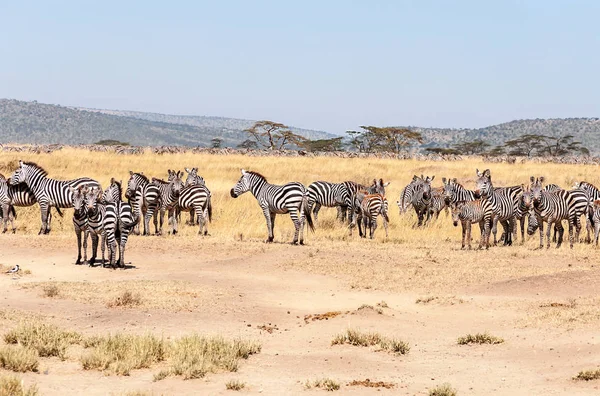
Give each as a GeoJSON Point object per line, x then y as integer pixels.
{"type": "Point", "coordinates": [196, 199]}
{"type": "Point", "coordinates": [48, 192]}
{"type": "Point", "coordinates": [469, 212]}
{"type": "Point", "coordinates": [11, 196]}
{"type": "Point", "coordinates": [169, 196]}
{"type": "Point", "coordinates": [144, 198]}
{"type": "Point", "coordinates": [322, 193]}
{"type": "Point", "coordinates": [80, 220]}
{"type": "Point", "coordinates": [533, 225]}
{"type": "Point", "coordinates": [596, 218]}
{"type": "Point", "coordinates": [504, 204]}
{"type": "Point", "coordinates": [373, 205]}
{"type": "Point", "coordinates": [289, 198]}
{"type": "Point", "coordinates": [553, 207]}
{"type": "Point", "coordinates": [118, 222]}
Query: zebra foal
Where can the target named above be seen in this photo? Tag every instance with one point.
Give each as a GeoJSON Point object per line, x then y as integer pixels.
{"type": "Point", "coordinates": [469, 212]}
{"type": "Point", "coordinates": [371, 207]}
{"type": "Point", "coordinates": [11, 196]}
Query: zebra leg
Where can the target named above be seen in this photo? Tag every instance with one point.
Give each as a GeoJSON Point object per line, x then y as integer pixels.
{"type": "Point", "coordinates": [94, 249]}
{"type": "Point", "coordinates": [495, 229]}
{"type": "Point", "coordinates": [385, 225]}
{"type": "Point", "coordinates": [596, 232]}
{"type": "Point", "coordinates": [5, 216]}
{"type": "Point", "coordinates": [373, 226]}
{"type": "Point", "coordinates": [173, 217]}
{"type": "Point", "coordinates": [161, 215]}
{"type": "Point", "coordinates": [571, 232]}
{"type": "Point", "coordinates": [103, 246]}
{"type": "Point", "coordinates": [86, 235]}
{"type": "Point", "coordinates": [44, 209]}
{"type": "Point", "coordinates": [522, 223]}
{"type": "Point", "coordinates": [201, 221]}
{"type": "Point", "coordinates": [11, 218]}
{"type": "Point", "coordinates": [269, 217]}
{"type": "Point", "coordinates": [464, 234]}
{"type": "Point", "coordinates": [302, 223]}
{"type": "Point", "coordinates": [548, 234]}
{"type": "Point", "coordinates": [316, 210]}
{"type": "Point", "coordinates": [78, 233]}
{"type": "Point", "coordinates": [469, 224]}
{"type": "Point", "coordinates": [294, 214]}
{"type": "Point", "coordinates": [541, 229]}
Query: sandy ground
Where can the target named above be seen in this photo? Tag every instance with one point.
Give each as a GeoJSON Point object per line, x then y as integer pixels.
{"type": "Point", "coordinates": [243, 285]}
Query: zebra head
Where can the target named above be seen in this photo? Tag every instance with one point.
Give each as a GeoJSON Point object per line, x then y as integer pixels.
{"type": "Point", "coordinates": [449, 189]}
{"type": "Point", "coordinates": [536, 190]}
{"type": "Point", "coordinates": [378, 187]}
{"type": "Point", "coordinates": [136, 180]}
{"type": "Point", "coordinates": [92, 197]}
{"type": "Point", "coordinates": [175, 181]}
{"type": "Point", "coordinates": [78, 198]}
{"type": "Point", "coordinates": [532, 223]}
{"type": "Point", "coordinates": [526, 198]}
{"type": "Point", "coordinates": [193, 177]}
{"type": "Point", "coordinates": [246, 182]}
{"type": "Point", "coordinates": [456, 209]}
{"type": "Point", "coordinates": [484, 183]}
{"type": "Point", "coordinates": [425, 187]}
{"type": "Point", "coordinates": [112, 192]}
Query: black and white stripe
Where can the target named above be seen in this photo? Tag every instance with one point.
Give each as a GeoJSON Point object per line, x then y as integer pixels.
{"type": "Point", "coordinates": [196, 199]}
{"type": "Point", "coordinates": [289, 198]}
{"type": "Point", "coordinates": [169, 196]}
{"type": "Point", "coordinates": [80, 220]}
{"type": "Point", "coordinates": [372, 206]}
{"type": "Point", "coordinates": [144, 198]}
{"type": "Point", "coordinates": [119, 220]}
{"type": "Point", "coordinates": [48, 192]}
{"type": "Point", "coordinates": [322, 193]}
{"type": "Point", "coordinates": [11, 196]}
{"type": "Point", "coordinates": [469, 212]}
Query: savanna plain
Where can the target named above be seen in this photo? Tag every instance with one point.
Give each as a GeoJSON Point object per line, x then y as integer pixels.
{"type": "Point", "coordinates": [408, 314]}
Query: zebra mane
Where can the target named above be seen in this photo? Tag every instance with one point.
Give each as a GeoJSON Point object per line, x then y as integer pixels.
{"type": "Point", "coordinates": [118, 184]}
{"type": "Point", "coordinates": [143, 177]}
{"type": "Point", "coordinates": [157, 180]}
{"type": "Point", "coordinates": [2, 177]}
{"type": "Point", "coordinates": [257, 174]}
{"type": "Point", "coordinates": [34, 165]}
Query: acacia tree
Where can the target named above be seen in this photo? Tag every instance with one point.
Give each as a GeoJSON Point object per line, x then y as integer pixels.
{"type": "Point", "coordinates": [560, 146]}
{"type": "Point", "coordinates": [474, 147]}
{"type": "Point", "coordinates": [248, 144]}
{"type": "Point", "coordinates": [273, 135]}
{"type": "Point", "coordinates": [216, 142]}
{"type": "Point", "coordinates": [334, 144]}
{"type": "Point", "coordinates": [394, 139]}
{"type": "Point", "coordinates": [525, 145]}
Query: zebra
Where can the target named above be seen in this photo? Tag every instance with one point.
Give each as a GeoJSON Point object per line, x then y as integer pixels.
{"type": "Point", "coordinates": [169, 196]}
{"type": "Point", "coordinates": [196, 199]}
{"type": "Point", "coordinates": [593, 195]}
{"type": "Point", "coordinates": [596, 218]}
{"type": "Point", "coordinates": [438, 202]}
{"type": "Point", "coordinates": [454, 192]}
{"type": "Point", "coordinates": [468, 212]}
{"type": "Point", "coordinates": [421, 199]}
{"type": "Point", "coordinates": [11, 196]}
{"type": "Point", "coordinates": [80, 220]}
{"type": "Point", "coordinates": [358, 192]}
{"type": "Point", "coordinates": [373, 205]}
{"type": "Point", "coordinates": [553, 207]}
{"type": "Point", "coordinates": [504, 203]}
{"type": "Point", "coordinates": [144, 198]}
{"type": "Point", "coordinates": [322, 193]}
{"type": "Point", "coordinates": [525, 211]}
{"type": "Point", "coordinates": [289, 198]}
{"type": "Point", "coordinates": [406, 195]}
{"type": "Point", "coordinates": [193, 178]}
{"type": "Point", "coordinates": [48, 192]}
{"type": "Point", "coordinates": [118, 222]}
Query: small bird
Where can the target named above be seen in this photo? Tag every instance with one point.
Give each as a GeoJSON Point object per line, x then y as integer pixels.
{"type": "Point", "coordinates": [15, 269]}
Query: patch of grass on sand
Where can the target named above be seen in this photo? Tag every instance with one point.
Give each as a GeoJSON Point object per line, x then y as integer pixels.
{"type": "Point", "coordinates": [46, 339]}
{"type": "Point", "coordinates": [11, 385]}
{"type": "Point", "coordinates": [588, 375]}
{"type": "Point", "coordinates": [443, 390]}
{"type": "Point", "coordinates": [359, 338]}
{"type": "Point", "coordinates": [18, 358]}
{"type": "Point", "coordinates": [235, 385]}
{"type": "Point", "coordinates": [323, 383]}
{"type": "Point", "coordinates": [479, 338]}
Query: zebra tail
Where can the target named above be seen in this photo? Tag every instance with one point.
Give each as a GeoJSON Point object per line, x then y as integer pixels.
{"type": "Point", "coordinates": [128, 225]}
{"type": "Point", "coordinates": [209, 207]}
{"type": "Point", "coordinates": [306, 210]}
{"type": "Point", "coordinates": [59, 212]}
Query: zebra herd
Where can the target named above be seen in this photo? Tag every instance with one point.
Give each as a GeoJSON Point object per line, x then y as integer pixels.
{"type": "Point", "coordinates": [488, 205]}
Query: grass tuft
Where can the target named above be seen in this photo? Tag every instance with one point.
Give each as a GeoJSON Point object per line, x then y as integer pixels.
{"type": "Point", "coordinates": [323, 383]}
{"type": "Point", "coordinates": [121, 353]}
{"type": "Point", "coordinates": [13, 386]}
{"type": "Point", "coordinates": [46, 339]}
{"type": "Point", "coordinates": [588, 375]}
{"type": "Point", "coordinates": [18, 358]}
{"type": "Point", "coordinates": [443, 390]}
{"type": "Point", "coordinates": [358, 338]}
{"type": "Point", "coordinates": [50, 291]}
{"type": "Point", "coordinates": [235, 385]}
{"type": "Point", "coordinates": [479, 338]}
{"type": "Point", "coordinates": [125, 299]}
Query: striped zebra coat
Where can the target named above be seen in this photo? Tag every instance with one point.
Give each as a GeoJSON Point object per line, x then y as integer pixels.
{"type": "Point", "coordinates": [11, 196]}
{"type": "Point", "coordinates": [422, 200]}
{"type": "Point", "coordinates": [553, 207]}
{"type": "Point", "coordinates": [596, 218]}
{"type": "Point", "coordinates": [144, 197]}
{"type": "Point", "coordinates": [372, 206]}
{"type": "Point", "coordinates": [193, 178]}
{"type": "Point", "coordinates": [119, 220]}
{"type": "Point", "coordinates": [80, 220]}
{"type": "Point", "coordinates": [378, 187]}
{"type": "Point", "coordinates": [48, 192]}
{"type": "Point", "coordinates": [169, 196]}
{"type": "Point", "coordinates": [469, 212]}
{"type": "Point", "coordinates": [196, 199]}
{"type": "Point", "coordinates": [322, 193]}
{"type": "Point", "coordinates": [593, 195]}
{"type": "Point", "coordinates": [273, 199]}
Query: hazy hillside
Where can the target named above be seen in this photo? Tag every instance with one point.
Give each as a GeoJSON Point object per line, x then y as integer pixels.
{"type": "Point", "coordinates": [586, 130]}
{"type": "Point", "coordinates": [32, 122]}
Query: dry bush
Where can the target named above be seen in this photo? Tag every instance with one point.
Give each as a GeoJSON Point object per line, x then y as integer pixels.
{"type": "Point", "coordinates": [323, 383]}
{"type": "Point", "coordinates": [235, 385]}
{"type": "Point", "coordinates": [50, 291]}
{"type": "Point", "coordinates": [119, 353]}
{"type": "Point", "coordinates": [46, 339]}
{"type": "Point", "coordinates": [588, 375]}
{"type": "Point", "coordinates": [443, 390]}
{"type": "Point", "coordinates": [479, 338]}
{"type": "Point", "coordinates": [367, 307]}
{"type": "Point", "coordinates": [441, 300]}
{"type": "Point", "coordinates": [358, 338]}
{"type": "Point", "coordinates": [195, 356]}
{"type": "Point", "coordinates": [13, 386]}
{"type": "Point", "coordinates": [125, 299]}
{"type": "Point", "coordinates": [18, 358]}
{"type": "Point", "coordinates": [382, 304]}
{"type": "Point", "coordinates": [570, 314]}
{"type": "Point", "coordinates": [367, 383]}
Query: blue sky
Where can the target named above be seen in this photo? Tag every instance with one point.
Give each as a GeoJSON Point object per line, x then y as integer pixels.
{"type": "Point", "coordinates": [329, 65]}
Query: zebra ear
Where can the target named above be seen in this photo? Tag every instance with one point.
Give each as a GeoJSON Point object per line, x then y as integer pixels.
{"type": "Point", "coordinates": [532, 179]}
{"type": "Point", "coordinates": [386, 184]}
{"type": "Point", "coordinates": [478, 173]}
{"type": "Point", "coordinates": [243, 172]}
{"type": "Point", "coordinates": [415, 178]}
{"type": "Point", "coordinates": [455, 180]}
{"type": "Point", "coordinates": [131, 173]}
{"type": "Point", "coordinates": [188, 170]}
{"type": "Point", "coordinates": [487, 173]}
{"type": "Point", "coordinates": [112, 180]}
{"type": "Point", "coordinates": [20, 163]}
{"type": "Point", "coordinates": [432, 177]}
{"type": "Point", "coordinates": [444, 180]}
{"type": "Point", "coordinates": [542, 178]}
{"type": "Point", "coordinates": [195, 169]}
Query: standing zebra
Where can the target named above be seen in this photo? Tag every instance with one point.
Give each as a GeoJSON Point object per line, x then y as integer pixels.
{"type": "Point", "coordinates": [80, 220]}
{"type": "Point", "coordinates": [145, 198]}
{"type": "Point", "coordinates": [48, 192]}
{"type": "Point", "coordinates": [169, 195]}
{"type": "Point", "coordinates": [553, 207]}
{"type": "Point", "coordinates": [593, 195]}
{"type": "Point", "coordinates": [358, 194]}
{"type": "Point", "coordinates": [407, 193]}
{"type": "Point", "coordinates": [469, 212]}
{"type": "Point", "coordinates": [289, 198]}
{"type": "Point", "coordinates": [454, 192]}
{"type": "Point", "coordinates": [504, 204]}
{"type": "Point", "coordinates": [525, 210]}
{"type": "Point", "coordinates": [372, 206]}
{"type": "Point", "coordinates": [596, 217]}
{"type": "Point", "coordinates": [193, 178]}
{"type": "Point", "coordinates": [438, 202]}
{"type": "Point", "coordinates": [322, 193]}
{"type": "Point", "coordinates": [421, 199]}
{"type": "Point", "coordinates": [11, 196]}
{"type": "Point", "coordinates": [118, 222]}
{"type": "Point", "coordinates": [196, 199]}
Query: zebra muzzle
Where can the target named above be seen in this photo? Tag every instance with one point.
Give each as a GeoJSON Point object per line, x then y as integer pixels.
{"type": "Point", "coordinates": [233, 194]}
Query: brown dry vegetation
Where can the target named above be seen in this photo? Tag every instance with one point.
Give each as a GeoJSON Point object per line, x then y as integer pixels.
{"type": "Point", "coordinates": [230, 283]}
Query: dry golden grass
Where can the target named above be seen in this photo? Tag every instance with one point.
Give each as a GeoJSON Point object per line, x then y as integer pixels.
{"type": "Point", "coordinates": [359, 338]}
{"type": "Point", "coordinates": [588, 375]}
{"type": "Point", "coordinates": [439, 300]}
{"type": "Point", "coordinates": [235, 385]}
{"type": "Point", "coordinates": [146, 294]}
{"type": "Point", "coordinates": [120, 353]}
{"type": "Point", "coordinates": [13, 386]}
{"type": "Point", "coordinates": [443, 390]}
{"type": "Point", "coordinates": [569, 314]}
{"type": "Point", "coordinates": [323, 383]}
{"type": "Point", "coordinates": [18, 358]}
{"type": "Point", "coordinates": [46, 339]}
{"type": "Point", "coordinates": [479, 338]}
